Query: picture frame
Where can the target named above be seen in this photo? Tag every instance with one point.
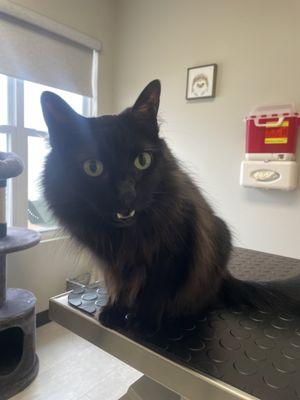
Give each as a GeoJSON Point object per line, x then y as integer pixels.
{"type": "Point", "coordinates": [201, 82]}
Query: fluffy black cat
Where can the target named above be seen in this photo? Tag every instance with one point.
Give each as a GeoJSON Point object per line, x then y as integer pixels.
{"type": "Point", "coordinates": [116, 186]}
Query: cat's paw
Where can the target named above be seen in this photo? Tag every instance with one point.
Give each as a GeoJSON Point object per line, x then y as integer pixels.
{"type": "Point", "coordinates": [112, 317]}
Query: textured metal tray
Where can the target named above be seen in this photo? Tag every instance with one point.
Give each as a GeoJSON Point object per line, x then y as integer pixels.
{"type": "Point", "coordinates": [257, 352]}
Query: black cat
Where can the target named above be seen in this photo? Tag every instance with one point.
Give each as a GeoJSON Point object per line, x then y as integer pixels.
{"type": "Point", "coordinates": [116, 186]}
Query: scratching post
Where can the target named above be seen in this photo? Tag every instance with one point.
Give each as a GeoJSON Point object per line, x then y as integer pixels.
{"type": "Point", "coordinates": [2, 280]}
{"type": "Point", "coordinates": [18, 361]}
{"type": "Point", "coordinates": [3, 227]}
{"type": "Point", "coordinates": [10, 166]}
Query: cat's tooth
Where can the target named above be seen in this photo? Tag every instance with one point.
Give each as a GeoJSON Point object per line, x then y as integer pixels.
{"type": "Point", "coordinates": [121, 216]}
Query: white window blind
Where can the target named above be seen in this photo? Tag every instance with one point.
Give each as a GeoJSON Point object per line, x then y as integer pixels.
{"type": "Point", "coordinates": [37, 49]}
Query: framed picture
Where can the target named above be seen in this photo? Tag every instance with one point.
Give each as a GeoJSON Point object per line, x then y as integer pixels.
{"type": "Point", "coordinates": [201, 82]}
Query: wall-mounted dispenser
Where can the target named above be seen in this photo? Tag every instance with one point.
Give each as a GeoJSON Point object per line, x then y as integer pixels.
{"type": "Point", "coordinates": [271, 139]}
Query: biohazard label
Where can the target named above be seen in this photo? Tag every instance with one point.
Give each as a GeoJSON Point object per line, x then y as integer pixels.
{"type": "Point", "coordinates": [280, 140]}
{"type": "Point", "coordinates": [271, 124]}
{"type": "Point", "coordinates": [277, 135]}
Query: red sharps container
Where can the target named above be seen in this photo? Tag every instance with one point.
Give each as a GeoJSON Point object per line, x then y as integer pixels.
{"type": "Point", "coordinates": [271, 141]}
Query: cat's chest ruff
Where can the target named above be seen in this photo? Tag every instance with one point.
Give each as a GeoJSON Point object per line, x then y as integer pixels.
{"type": "Point", "coordinates": [136, 250]}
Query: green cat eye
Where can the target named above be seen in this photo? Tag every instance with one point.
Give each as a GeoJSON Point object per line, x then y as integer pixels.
{"type": "Point", "coordinates": [143, 160]}
{"type": "Point", "coordinates": [93, 167]}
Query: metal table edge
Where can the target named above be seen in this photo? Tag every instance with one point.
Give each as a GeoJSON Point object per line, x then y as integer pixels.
{"type": "Point", "coordinates": [176, 377]}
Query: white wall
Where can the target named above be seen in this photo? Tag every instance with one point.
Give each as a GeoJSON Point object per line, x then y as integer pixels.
{"type": "Point", "coordinates": [256, 47]}
{"type": "Point", "coordinates": [44, 268]}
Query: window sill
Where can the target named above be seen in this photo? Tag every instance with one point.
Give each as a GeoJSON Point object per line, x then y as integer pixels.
{"type": "Point", "coordinates": [52, 234]}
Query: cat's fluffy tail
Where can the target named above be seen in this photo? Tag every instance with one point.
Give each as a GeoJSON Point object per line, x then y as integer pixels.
{"type": "Point", "coordinates": [281, 296]}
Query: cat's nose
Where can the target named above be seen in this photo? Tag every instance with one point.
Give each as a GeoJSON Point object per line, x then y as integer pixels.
{"type": "Point", "coordinates": [127, 192]}
{"type": "Point", "coordinates": [129, 197]}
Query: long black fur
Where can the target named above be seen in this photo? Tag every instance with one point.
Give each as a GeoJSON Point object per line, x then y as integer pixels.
{"type": "Point", "coordinates": [170, 259]}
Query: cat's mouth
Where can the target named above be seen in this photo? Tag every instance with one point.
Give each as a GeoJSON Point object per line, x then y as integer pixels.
{"type": "Point", "coordinates": [124, 218]}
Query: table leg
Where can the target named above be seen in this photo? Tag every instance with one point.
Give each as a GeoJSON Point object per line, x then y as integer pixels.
{"type": "Point", "coordinates": [147, 389]}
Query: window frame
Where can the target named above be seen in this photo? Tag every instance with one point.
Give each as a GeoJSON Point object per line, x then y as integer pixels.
{"type": "Point", "coordinates": [17, 141]}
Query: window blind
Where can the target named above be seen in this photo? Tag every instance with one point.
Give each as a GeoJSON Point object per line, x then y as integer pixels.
{"type": "Point", "coordinates": [37, 49]}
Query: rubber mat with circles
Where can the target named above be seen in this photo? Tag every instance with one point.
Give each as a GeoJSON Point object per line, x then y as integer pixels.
{"type": "Point", "coordinates": [255, 351]}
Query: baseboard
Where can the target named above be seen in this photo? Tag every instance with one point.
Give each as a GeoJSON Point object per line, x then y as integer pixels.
{"type": "Point", "coordinates": [42, 318]}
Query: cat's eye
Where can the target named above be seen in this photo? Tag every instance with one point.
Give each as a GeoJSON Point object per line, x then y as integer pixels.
{"type": "Point", "coordinates": [143, 160]}
{"type": "Point", "coordinates": [93, 167]}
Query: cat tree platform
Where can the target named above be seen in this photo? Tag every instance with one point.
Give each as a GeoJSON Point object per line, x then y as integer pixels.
{"type": "Point", "coordinates": [224, 354]}
{"type": "Point", "coordinates": [18, 360]}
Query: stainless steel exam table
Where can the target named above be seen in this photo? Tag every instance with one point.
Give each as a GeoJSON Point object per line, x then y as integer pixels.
{"type": "Point", "coordinates": [221, 355]}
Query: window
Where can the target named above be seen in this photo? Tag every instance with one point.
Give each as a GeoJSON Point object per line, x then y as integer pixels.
{"type": "Point", "coordinates": [3, 110]}
{"type": "Point", "coordinates": [3, 93]}
{"type": "Point", "coordinates": [23, 130]}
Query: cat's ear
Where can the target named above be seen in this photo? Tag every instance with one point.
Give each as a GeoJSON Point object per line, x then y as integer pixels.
{"type": "Point", "coordinates": [59, 117]}
{"type": "Point", "coordinates": [56, 111]}
{"type": "Point", "coordinates": [147, 103]}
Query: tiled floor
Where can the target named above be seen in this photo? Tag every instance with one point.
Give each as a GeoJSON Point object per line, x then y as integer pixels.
{"type": "Point", "coordinates": [73, 369]}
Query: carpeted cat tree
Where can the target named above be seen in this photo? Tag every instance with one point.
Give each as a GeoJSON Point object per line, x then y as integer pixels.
{"type": "Point", "coordinates": [18, 360]}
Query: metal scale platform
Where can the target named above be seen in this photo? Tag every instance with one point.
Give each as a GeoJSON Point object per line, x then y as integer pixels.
{"type": "Point", "coordinates": [223, 354]}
